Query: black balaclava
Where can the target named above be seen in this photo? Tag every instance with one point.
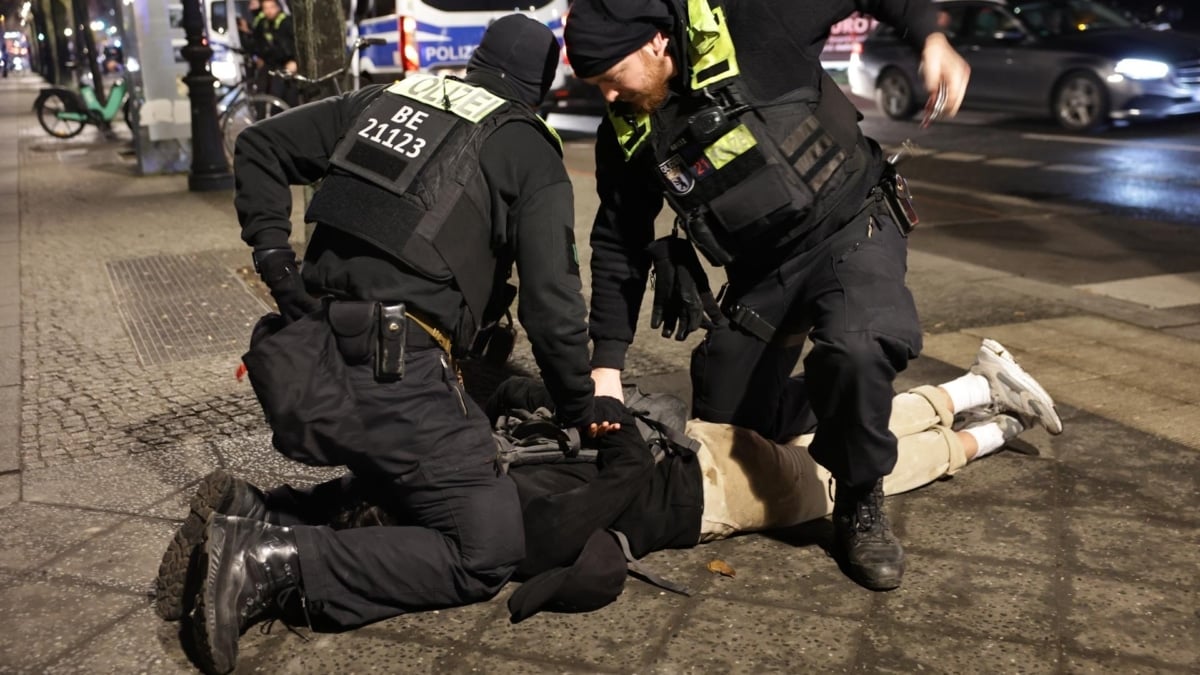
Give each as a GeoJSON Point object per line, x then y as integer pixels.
{"type": "Point", "coordinates": [599, 33]}
{"type": "Point", "coordinates": [522, 52]}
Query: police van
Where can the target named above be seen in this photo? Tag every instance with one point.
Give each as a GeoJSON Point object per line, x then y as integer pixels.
{"type": "Point", "coordinates": [226, 64]}
{"type": "Point", "coordinates": [435, 36]}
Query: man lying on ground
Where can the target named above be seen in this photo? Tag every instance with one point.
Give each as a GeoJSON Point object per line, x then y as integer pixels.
{"type": "Point", "coordinates": [584, 520]}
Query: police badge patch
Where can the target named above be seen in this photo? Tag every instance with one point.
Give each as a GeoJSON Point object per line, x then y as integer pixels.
{"type": "Point", "coordinates": [675, 171]}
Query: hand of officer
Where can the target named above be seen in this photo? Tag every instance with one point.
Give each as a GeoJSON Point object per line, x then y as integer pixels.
{"type": "Point", "coordinates": [279, 271]}
{"type": "Point", "coordinates": [942, 67]}
{"type": "Point", "coordinates": [683, 300]}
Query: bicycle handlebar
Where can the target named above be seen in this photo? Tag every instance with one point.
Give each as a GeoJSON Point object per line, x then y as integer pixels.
{"type": "Point", "coordinates": [359, 44]}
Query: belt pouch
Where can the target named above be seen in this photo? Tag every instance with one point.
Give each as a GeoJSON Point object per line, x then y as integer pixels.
{"type": "Point", "coordinates": [389, 355]}
{"type": "Point", "coordinates": [353, 323]}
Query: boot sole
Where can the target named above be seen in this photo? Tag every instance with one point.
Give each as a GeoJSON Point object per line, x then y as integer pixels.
{"type": "Point", "coordinates": [205, 622]}
{"type": "Point", "coordinates": [176, 584]}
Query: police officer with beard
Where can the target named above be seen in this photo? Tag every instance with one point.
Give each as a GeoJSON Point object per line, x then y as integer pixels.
{"type": "Point", "coordinates": [432, 188]}
{"type": "Point", "coordinates": [722, 108]}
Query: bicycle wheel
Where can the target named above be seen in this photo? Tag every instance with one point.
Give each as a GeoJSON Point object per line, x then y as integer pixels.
{"type": "Point", "coordinates": [246, 111]}
{"type": "Point", "coordinates": [47, 114]}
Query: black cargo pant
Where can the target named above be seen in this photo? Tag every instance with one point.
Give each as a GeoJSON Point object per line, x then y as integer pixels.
{"type": "Point", "coordinates": [849, 293]}
{"type": "Point", "coordinates": [430, 459]}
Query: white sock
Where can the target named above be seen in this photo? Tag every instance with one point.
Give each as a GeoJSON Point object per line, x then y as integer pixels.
{"type": "Point", "coordinates": [988, 437]}
{"type": "Point", "coordinates": [968, 391]}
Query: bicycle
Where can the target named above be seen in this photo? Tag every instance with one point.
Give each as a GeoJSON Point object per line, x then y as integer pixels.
{"type": "Point", "coordinates": [244, 105]}
{"type": "Point", "coordinates": [245, 109]}
{"type": "Point", "coordinates": [314, 84]}
{"type": "Point", "coordinates": [64, 112]}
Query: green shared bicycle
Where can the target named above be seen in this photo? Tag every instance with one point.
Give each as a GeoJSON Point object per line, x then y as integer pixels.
{"type": "Point", "coordinates": [64, 113]}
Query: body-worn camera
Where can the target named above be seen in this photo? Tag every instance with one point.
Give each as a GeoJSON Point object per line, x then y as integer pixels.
{"type": "Point", "coordinates": [708, 124]}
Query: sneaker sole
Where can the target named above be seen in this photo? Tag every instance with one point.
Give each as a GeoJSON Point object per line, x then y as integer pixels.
{"type": "Point", "coordinates": [173, 593]}
{"type": "Point", "coordinates": [1015, 378]}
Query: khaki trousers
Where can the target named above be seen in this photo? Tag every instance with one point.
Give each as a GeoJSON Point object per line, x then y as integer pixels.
{"type": "Point", "coordinates": [753, 484]}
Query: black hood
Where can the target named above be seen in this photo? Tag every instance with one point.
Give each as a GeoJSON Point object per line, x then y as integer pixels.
{"type": "Point", "coordinates": [520, 54]}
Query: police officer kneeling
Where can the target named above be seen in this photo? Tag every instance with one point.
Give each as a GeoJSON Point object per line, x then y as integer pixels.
{"type": "Point", "coordinates": [432, 188]}
{"type": "Point", "coordinates": [721, 107]}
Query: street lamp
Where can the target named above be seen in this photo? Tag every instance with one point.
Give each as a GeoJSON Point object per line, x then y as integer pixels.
{"type": "Point", "coordinates": [209, 171]}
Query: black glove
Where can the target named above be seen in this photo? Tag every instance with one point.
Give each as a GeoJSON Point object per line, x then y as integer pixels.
{"type": "Point", "coordinates": [683, 300]}
{"type": "Point", "coordinates": [279, 271]}
{"type": "Point", "coordinates": [605, 409]}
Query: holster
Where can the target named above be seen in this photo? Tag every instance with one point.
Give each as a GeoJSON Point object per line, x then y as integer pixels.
{"type": "Point", "coordinates": [899, 200]}
{"type": "Point", "coordinates": [747, 319]}
{"type": "Point", "coordinates": [371, 331]}
{"type": "Point", "coordinates": [389, 350]}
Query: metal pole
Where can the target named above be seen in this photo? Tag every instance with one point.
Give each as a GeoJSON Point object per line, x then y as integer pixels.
{"type": "Point", "coordinates": [209, 170]}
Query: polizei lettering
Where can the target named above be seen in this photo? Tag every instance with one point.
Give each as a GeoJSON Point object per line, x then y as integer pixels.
{"type": "Point", "coordinates": [467, 101]}
{"type": "Point", "coordinates": [437, 53]}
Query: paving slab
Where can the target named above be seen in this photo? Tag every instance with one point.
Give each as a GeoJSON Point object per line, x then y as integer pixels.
{"type": "Point", "coordinates": [10, 356]}
{"type": "Point", "coordinates": [138, 643]}
{"type": "Point", "coordinates": [906, 649]}
{"type": "Point", "coordinates": [126, 556]}
{"type": "Point", "coordinates": [1142, 623]}
{"type": "Point", "coordinates": [723, 636]}
{"type": "Point", "coordinates": [346, 653]}
{"type": "Point", "coordinates": [10, 489]}
{"type": "Point", "coordinates": [34, 535]}
{"type": "Point", "coordinates": [10, 436]}
{"type": "Point", "coordinates": [125, 484]}
{"type": "Point", "coordinates": [43, 621]}
{"type": "Point", "coordinates": [1160, 291]}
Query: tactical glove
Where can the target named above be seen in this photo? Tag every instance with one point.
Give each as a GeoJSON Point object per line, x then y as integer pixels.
{"type": "Point", "coordinates": [683, 301]}
{"type": "Point", "coordinates": [279, 271]}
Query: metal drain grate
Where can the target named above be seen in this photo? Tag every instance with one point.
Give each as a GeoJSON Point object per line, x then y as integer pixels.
{"type": "Point", "coordinates": [178, 307]}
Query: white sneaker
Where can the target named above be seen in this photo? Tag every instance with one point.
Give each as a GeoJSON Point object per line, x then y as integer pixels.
{"type": "Point", "coordinates": [1010, 426]}
{"type": "Point", "coordinates": [1013, 390]}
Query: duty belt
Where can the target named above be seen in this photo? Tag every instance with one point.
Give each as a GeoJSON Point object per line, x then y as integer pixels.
{"type": "Point", "coordinates": [439, 338]}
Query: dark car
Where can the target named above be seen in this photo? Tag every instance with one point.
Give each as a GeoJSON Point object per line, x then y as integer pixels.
{"type": "Point", "coordinates": [1077, 60]}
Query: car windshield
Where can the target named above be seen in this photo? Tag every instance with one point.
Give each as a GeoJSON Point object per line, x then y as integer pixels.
{"type": "Point", "coordinates": [1052, 18]}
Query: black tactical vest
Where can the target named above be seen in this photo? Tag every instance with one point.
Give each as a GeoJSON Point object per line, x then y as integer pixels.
{"type": "Point", "coordinates": [742, 174]}
{"type": "Point", "coordinates": [419, 143]}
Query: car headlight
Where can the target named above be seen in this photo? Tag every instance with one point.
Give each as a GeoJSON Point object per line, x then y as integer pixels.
{"type": "Point", "coordinates": [1142, 69]}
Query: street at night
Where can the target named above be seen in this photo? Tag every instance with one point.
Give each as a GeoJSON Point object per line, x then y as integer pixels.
{"type": "Point", "coordinates": [127, 300]}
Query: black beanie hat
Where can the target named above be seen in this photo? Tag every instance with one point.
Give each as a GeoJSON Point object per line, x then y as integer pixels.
{"type": "Point", "coordinates": [599, 33]}
{"type": "Point", "coordinates": [594, 580]}
{"type": "Point", "coordinates": [523, 52]}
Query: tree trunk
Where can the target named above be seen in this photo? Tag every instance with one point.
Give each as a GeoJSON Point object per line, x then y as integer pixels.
{"type": "Point", "coordinates": [87, 47]}
{"type": "Point", "coordinates": [320, 42]}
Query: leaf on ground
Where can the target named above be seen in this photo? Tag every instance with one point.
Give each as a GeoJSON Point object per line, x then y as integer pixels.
{"type": "Point", "coordinates": [721, 567]}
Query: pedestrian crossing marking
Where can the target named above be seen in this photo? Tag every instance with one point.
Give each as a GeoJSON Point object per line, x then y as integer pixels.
{"type": "Point", "coordinates": [1160, 291]}
{"type": "Point", "coordinates": [1074, 168]}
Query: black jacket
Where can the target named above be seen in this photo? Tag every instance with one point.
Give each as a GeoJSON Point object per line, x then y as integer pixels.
{"type": "Point", "coordinates": [274, 41]}
{"type": "Point", "coordinates": [533, 226]}
{"type": "Point", "coordinates": [766, 35]}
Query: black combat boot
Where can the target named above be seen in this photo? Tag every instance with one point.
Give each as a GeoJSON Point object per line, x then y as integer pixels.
{"type": "Point", "coordinates": [863, 539]}
{"type": "Point", "coordinates": [251, 573]}
{"type": "Point", "coordinates": [220, 492]}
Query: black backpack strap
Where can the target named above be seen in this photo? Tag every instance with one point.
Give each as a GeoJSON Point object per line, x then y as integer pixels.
{"type": "Point", "coordinates": [639, 570]}
{"type": "Point", "coordinates": [676, 440]}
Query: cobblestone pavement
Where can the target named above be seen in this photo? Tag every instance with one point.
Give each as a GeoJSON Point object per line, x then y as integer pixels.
{"type": "Point", "coordinates": [117, 361]}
